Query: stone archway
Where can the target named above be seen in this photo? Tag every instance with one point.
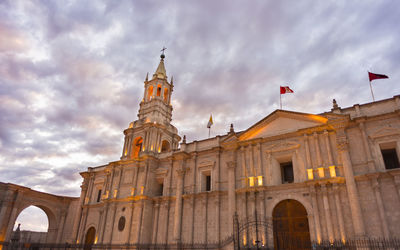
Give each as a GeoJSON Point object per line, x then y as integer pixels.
{"type": "Point", "coordinates": [290, 225]}
{"type": "Point", "coordinates": [17, 198]}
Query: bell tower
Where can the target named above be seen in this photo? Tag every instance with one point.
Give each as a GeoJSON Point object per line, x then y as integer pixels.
{"type": "Point", "coordinates": [153, 132]}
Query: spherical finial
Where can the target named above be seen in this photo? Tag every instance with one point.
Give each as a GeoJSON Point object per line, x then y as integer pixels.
{"type": "Point", "coordinates": [162, 54]}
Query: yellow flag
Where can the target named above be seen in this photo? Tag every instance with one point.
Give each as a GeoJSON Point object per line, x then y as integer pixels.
{"type": "Point", "coordinates": [210, 122]}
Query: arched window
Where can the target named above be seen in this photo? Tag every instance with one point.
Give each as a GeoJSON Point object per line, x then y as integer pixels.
{"type": "Point", "coordinates": [159, 90]}
{"type": "Point", "coordinates": [165, 147]}
{"type": "Point", "coordinates": [149, 93]}
{"type": "Point", "coordinates": [137, 147]}
{"type": "Point", "coordinates": [165, 95]}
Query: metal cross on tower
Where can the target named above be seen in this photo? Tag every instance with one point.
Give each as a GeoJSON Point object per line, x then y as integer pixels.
{"type": "Point", "coordinates": [163, 49]}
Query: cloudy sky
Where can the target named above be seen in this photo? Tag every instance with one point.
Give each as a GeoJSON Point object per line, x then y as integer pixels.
{"type": "Point", "coordinates": [71, 72]}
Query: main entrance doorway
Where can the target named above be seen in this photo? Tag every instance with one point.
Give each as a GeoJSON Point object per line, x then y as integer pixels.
{"type": "Point", "coordinates": [90, 238]}
{"type": "Point", "coordinates": [290, 226]}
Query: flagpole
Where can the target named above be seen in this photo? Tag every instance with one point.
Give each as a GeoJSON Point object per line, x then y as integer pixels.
{"type": "Point", "coordinates": [372, 93]}
{"type": "Point", "coordinates": [280, 99]}
{"type": "Point", "coordinates": [209, 130]}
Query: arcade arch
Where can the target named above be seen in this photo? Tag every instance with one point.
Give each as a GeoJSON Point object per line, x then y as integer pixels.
{"type": "Point", "coordinates": [18, 198]}
{"type": "Point", "coordinates": [33, 219]}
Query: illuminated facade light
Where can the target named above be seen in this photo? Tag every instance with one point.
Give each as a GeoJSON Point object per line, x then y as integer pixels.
{"type": "Point", "coordinates": [321, 172]}
{"type": "Point", "coordinates": [132, 191]}
{"type": "Point", "coordinates": [310, 173]}
{"type": "Point", "coordinates": [115, 193]}
{"type": "Point", "coordinates": [95, 240]}
{"type": "Point", "coordinates": [260, 180]}
{"type": "Point", "coordinates": [332, 171]}
{"type": "Point", "coordinates": [141, 190]}
{"type": "Point", "coordinates": [251, 181]}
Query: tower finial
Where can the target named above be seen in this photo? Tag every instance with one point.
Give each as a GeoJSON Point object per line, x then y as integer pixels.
{"type": "Point", "coordinates": [147, 77]}
{"type": "Point", "coordinates": [162, 54]}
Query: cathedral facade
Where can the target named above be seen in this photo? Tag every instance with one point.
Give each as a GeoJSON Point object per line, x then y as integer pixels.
{"type": "Point", "coordinates": [333, 176]}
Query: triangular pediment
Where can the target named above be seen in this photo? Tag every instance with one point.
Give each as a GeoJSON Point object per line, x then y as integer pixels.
{"type": "Point", "coordinates": [282, 122]}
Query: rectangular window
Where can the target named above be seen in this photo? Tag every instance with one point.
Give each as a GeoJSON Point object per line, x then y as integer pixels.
{"type": "Point", "coordinates": [208, 182]}
{"type": "Point", "coordinates": [287, 172]}
{"type": "Point", "coordinates": [390, 158]}
{"type": "Point", "coordinates": [159, 187]}
{"type": "Point", "coordinates": [99, 195]}
{"type": "Point", "coordinates": [205, 181]}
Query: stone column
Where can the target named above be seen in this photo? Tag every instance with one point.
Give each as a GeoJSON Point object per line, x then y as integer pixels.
{"type": "Point", "coordinates": [351, 185]}
{"type": "Point", "coordinates": [397, 183]}
{"type": "Point", "coordinates": [328, 218]}
{"type": "Point", "coordinates": [178, 205]}
{"type": "Point", "coordinates": [245, 172]}
{"type": "Point", "coordinates": [270, 233]}
{"type": "Point", "coordinates": [139, 207]}
{"type": "Point", "coordinates": [328, 148]}
{"type": "Point", "coordinates": [132, 208]}
{"type": "Point", "coordinates": [61, 226]}
{"type": "Point", "coordinates": [129, 145]}
{"type": "Point", "coordinates": [317, 150]}
{"type": "Point", "coordinates": [381, 208]}
{"type": "Point", "coordinates": [217, 217]}
{"type": "Point", "coordinates": [261, 196]}
{"type": "Point", "coordinates": [339, 212]}
{"type": "Point", "coordinates": [259, 158]}
{"type": "Point", "coordinates": [308, 155]}
{"type": "Point", "coordinates": [114, 211]}
{"type": "Point", "coordinates": [231, 165]}
{"type": "Point", "coordinates": [252, 213]}
{"type": "Point", "coordinates": [205, 205]}
{"type": "Point", "coordinates": [371, 164]}
{"type": "Point", "coordinates": [314, 203]}
{"type": "Point", "coordinates": [251, 160]}
{"type": "Point", "coordinates": [12, 218]}
{"type": "Point", "coordinates": [191, 203]}
{"type": "Point", "coordinates": [155, 228]}
{"type": "Point", "coordinates": [78, 215]}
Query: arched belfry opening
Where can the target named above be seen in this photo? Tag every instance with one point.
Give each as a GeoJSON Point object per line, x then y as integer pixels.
{"type": "Point", "coordinates": [159, 90]}
{"type": "Point", "coordinates": [149, 93]}
{"type": "Point", "coordinates": [166, 95]}
{"type": "Point", "coordinates": [137, 146]}
{"type": "Point", "coordinates": [165, 146]}
{"type": "Point", "coordinates": [290, 226]}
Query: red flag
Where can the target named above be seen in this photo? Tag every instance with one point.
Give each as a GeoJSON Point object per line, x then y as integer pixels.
{"type": "Point", "coordinates": [286, 89]}
{"type": "Point", "coordinates": [373, 76]}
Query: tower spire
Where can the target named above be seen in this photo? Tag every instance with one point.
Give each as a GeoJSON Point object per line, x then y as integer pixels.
{"type": "Point", "coordinates": [161, 72]}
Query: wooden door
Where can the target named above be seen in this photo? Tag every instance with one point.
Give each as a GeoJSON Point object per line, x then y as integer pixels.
{"type": "Point", "coordinates": [90, 237]}
{"type": "Point", "coordinates": [290, 225]}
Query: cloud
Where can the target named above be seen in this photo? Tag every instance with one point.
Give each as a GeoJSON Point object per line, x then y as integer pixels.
{"type": "Point", "coordinates": [71, 74]}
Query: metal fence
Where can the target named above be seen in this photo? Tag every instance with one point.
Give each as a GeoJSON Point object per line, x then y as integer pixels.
{"type": "Point", "coordinates": [352, 244]}
{"type": "Point", "coordinates": [45, 246]}
{"type": "Point", "coordinates": [363, 243]}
